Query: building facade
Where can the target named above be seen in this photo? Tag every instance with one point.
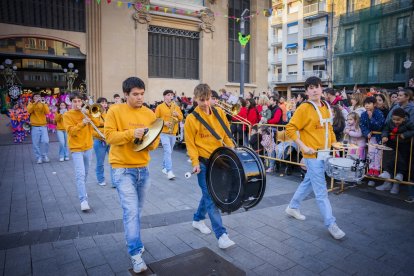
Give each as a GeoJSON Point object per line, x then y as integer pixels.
{"type": "Point", "coordinates": [373, 40]}
{"type": "Point", "coordinates": [172, 44]}
{"type": "Point", "coordinates": [299, 44]}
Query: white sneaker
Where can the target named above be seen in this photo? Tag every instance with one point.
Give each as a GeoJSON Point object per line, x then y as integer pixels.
{"type": "Point", "coordinates": [294, 213]}
{"type": "Point", "coordinates": [67, 159]}
{"type": "Point", "coordinates": [39, 161]}
{"type": "Point", "coordinates": [103, 183]}
{"type": "Point", "coordinates": [384, 174]}
{"type": "Point", "coordinates": [61, 159]}
{"type": "Point", "coordinates": [384, 187]}
{"type": "Point", "coordinates": [200, 225]}
{"type": "Point", "coordinates": [85, 206]}
{"type": "Point", "coordinates": [399, 177]}
{"type": "Point", "coordinates": [336, 232]}
{"type": "Point", "coordinates": [170, 175]}
{"type": "Point", "coordinates": [371, 183]}
{"type": "Point", "coordinates": [164, 171]}
{"type": "Point", "coordinates": [189, 160]}
{"type": "Point", "coordinates": [138, 263]}
{"type": "Point", "coordinates": [395, 189]}
{"type": "Point", "coordinates": [46, 159]}
{"type": "Point", "coordinates": [225, 242]}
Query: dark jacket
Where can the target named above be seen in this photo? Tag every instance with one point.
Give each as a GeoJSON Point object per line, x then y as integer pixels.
{"type": "Point", "coordinates": [406, 128]}
{"type": "Point", "coordinates": [376, 123]}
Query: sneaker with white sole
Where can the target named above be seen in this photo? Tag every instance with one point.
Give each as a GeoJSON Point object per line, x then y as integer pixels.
{"type": "Point", "coordinates": [294, 213]}
{"type": "Point", "coordinates": [46, 159]}
{"type": "Point", "coordinates": [336, 232]}
{"type": "Point", "coordinates": [410, 199]}
{"type": "Point", "coordinates": [384, 174]}
{"type": "Point", "coordinates": [39, 161]}
{"type": "Point", "coordinates": [170, 175]}
{"type": "Point", "coordinates": [225, 242]}
{"type": "Point", "coordinates": [61, 159]}
{"type": "Point", "coordinates": [85, 206]}
{"type": "Point", "coordinates": [399, 177]}
{"type": "Point", "coordinates": [395, 189]}
{"type": "Point", "coordinates": [164, 171]}
{"type": "Point", "coordinates": [67, 159]}
{"type": "Point", "coordinates": [371, 183]}
{"type": "Point", "coordinates": [103, 183]}
{"type": "Point", "coordinates": [384, 187]}
{"type": "Point", "coordinates": [138, 264]}
{"type": "Point", "coordinates": [201, 226]}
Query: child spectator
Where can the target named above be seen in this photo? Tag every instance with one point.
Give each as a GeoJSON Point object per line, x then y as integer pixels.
{"type": "Point", "coordinates": [268, 144]}
{"type": "Point", "coordinates": [266, 114]}
{"type": "Point", "coordinates": [399, 130]}
{"type": "Point", "coordinates": [354, 136]}
{"type": "Point", "coordinates": [372, 120]}
{"type": "Point", "coordinates": [255, 139]}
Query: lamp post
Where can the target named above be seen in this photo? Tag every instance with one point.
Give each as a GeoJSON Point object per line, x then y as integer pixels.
{"type": "Point", "coordinates": [407, 65]}
{"type": "Point", "coordinates": [242, 54]}
{"type": "Point", "coordinates": [8, 70]}
{"type": "Point", "coordinates": [71, 75]}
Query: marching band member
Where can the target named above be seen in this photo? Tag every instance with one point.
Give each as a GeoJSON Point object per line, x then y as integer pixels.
{"type": "Point", "coordinates": [200, 145]}
{"type": "Point", "coordinates": [79, 130]}
{"type": "Point", "coordinates": [314, 123]}
{"type": "Point", "coordinates": [61, 133]}
{"type": "Point", "coordinates": [172, 116]}
{"type": "Point", "coordinates": [123, 124]}
{"type": "Point", "coordinates": [100, 146]}
{"type": "Point", "coordinates": [40, 137]}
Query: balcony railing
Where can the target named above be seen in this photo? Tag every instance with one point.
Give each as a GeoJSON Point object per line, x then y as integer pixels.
{"type": "Point", "coordinates": [291, 78]}
{"type": "Point", "coordinates": [276, 19]}
{"type": "Point", "coordinates": [276, 40]}
{"type": "Point", "coordinates": [315, 73]}
{"type": "Point", "coordinates": [315, 53]}
{"type": "Point", "coordinates": [315, 8]}
{"type": "Point", "coordinates": [315, 31]}
{"type": "Point", "coordinates": [277, 78]}
{"type": "Point", "coordinates": [276, 60]}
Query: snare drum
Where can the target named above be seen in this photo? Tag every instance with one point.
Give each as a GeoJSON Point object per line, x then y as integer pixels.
{"type": "Point", "coordinates": [235, 178]}
{"type": "Point", "coordinates": [345, 169]}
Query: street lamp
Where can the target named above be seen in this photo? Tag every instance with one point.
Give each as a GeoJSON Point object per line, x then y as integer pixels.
{"type": "Point", "coordinates": [8, 70]}
{"type": "Point", "coordinates": [71, 75]}
{"type": "Point", "coordinates": [407, 65]}
{"type": "Point", "coordinates": [242, 53]}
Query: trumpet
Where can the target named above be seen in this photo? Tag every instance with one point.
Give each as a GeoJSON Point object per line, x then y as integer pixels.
{"type": "Point", "coordinates": [232, 110]}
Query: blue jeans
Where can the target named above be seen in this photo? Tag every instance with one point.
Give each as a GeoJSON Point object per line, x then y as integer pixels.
{"type": "Point", "coordinates": [314, 180]}
{"type": "Point", "coordinates": [40, 141]}
{"type": "Point", "coordinates": [206, 205]}
{"type": "Point", "coordinates": [101, 148]}
{"type": "Point", "coordinates": [63, 144]}
{"type": "Point", "coordinates": [81, 161]}
{"type": "Point", "coordinates": [132, 185]}
{"type": "Point", "coordinates": [167, 141]}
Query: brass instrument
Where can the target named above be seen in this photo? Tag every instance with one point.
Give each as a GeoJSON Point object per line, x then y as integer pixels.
{"type": "Point", "coordinates": [96, 110]}
{"type": "Point", "coordinates": [93, 110]}
{"type": "Point", "coordinates": [173, 120]}
{"type": "Point", "coordinates": [232, 110]}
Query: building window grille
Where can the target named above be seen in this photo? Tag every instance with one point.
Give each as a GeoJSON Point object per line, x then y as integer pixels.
{"type": "Point", "coordinates": [173, 53]}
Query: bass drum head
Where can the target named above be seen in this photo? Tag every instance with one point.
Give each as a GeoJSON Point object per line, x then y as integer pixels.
{"type": "Point", "coordinates": [229, 176]}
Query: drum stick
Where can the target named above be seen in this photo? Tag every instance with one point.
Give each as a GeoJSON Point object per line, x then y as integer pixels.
{"type": "Point", "coordinates": [188, 174]}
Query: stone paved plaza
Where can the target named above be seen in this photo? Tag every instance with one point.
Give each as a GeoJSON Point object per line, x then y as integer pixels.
{"type": "Point", "coordinates": [43, 231]}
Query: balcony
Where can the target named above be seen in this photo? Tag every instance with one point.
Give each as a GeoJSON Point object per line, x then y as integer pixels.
{"type": "Point", "coordinates": [315, 54]}
{"type": "Point", "coordinates": [316, 73]}
{"type": "Point", "coordinates": [277, 19]}
{"type": "Point", "coordinates": [315, 32]}
{"type": "Point", "coordinates": [277, 78]}
{"type": "Point", "coordinates": [276, 41]}
{"type": "Point", "coordinates": [314, 9]}
{"type": "Point", "coordinates": [291, 78]}
{"type": "Point", "coordinates": [276, 60]}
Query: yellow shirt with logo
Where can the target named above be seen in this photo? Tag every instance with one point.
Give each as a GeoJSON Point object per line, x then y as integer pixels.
{"type": "Point", "coordinates": [79, 134]}
{"type": "Point", "coordinates": [312, 133]}
{"type": "Point", "coordinates": [120, 123]}
{"type": "Point", "coordinates": [164, 112]}
{"type": "Point", "coordinates": [59, 121]}
{"type": "Point", "coordinates": [198, 139]}
{"type": "Point", "coordinates": [38, 112]}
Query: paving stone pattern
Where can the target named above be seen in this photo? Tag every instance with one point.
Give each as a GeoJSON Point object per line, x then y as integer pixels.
{"type": "Point", "coordinates": [43, 231]}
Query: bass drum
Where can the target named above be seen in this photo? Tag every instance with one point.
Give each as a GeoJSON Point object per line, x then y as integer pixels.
{"type": "Point", "coordinates": [235, 178]}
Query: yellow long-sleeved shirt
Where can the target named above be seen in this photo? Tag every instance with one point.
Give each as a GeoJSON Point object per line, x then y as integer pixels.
{"type": "Point", "coordinates": [38, 113]}
{"type": "Point", "coordinates": [100, 125]}
{"type": "Point", "coordinates": [79, 134]}
{"type": "Point", "coordinates": [164, 112]}
{"type": "Point", "coordinates": [120, 123]}
{"type": "Point", "coordinates": [199, 141]}
{"type": "Point", "coordinates": [59, 121]}
{"type": "Point", "coordinates": [312, 134]}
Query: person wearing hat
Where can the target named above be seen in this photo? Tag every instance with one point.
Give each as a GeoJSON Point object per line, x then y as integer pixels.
{"type": "Point", "coordinates": [172, 115]}
{"type": "Point", "coordinates": [40, 137]}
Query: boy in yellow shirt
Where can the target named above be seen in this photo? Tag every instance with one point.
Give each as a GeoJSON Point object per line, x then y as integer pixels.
{"type": "Point", "coordinates": [124, 123]}
{"type": "Point", "coordinates": [172, 116]}
{"type": "Point", "coordinates": [200, 145]}
{"type": "Point", "coordinates": [79, 131]}
{"type": "Point", "coordinates": [40, 136]}
{"type": "Point", "coordinates": [313, 121]}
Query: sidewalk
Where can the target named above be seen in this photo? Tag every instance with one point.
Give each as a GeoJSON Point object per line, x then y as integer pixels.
{"type": "Point", "coordinates": [43, 231]}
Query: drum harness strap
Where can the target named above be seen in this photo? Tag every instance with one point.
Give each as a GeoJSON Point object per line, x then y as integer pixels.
{"type": "Point", "coordinates": [324, 121]}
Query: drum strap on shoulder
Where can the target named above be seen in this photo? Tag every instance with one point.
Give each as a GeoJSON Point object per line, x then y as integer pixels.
{"type": "Point", "coordinates": [204, 123]}
{"type": "Point", "coordinates": [223, 125]}
{"type": "Point", "coordinates": [323, 121]}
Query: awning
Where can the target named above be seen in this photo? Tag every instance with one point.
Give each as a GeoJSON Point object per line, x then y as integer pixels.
{"type": "Point", "coordinates": [292, 24]}
{"type": "Point", "coordinates": [292, 45]}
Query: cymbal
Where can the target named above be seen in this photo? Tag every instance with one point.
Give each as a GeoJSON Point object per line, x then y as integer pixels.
{"type": "Point", "coordinates": [154, 130]}
{"type": "Point", "coordinates": [339, 145]}
{"type": "Point", "coordinates": [378, 146]}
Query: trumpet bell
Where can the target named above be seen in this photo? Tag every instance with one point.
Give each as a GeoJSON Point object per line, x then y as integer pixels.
{"type": "Point", "coordinates": [154, 130]}
{"type": "Point", "coordinates": [96, 110]}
